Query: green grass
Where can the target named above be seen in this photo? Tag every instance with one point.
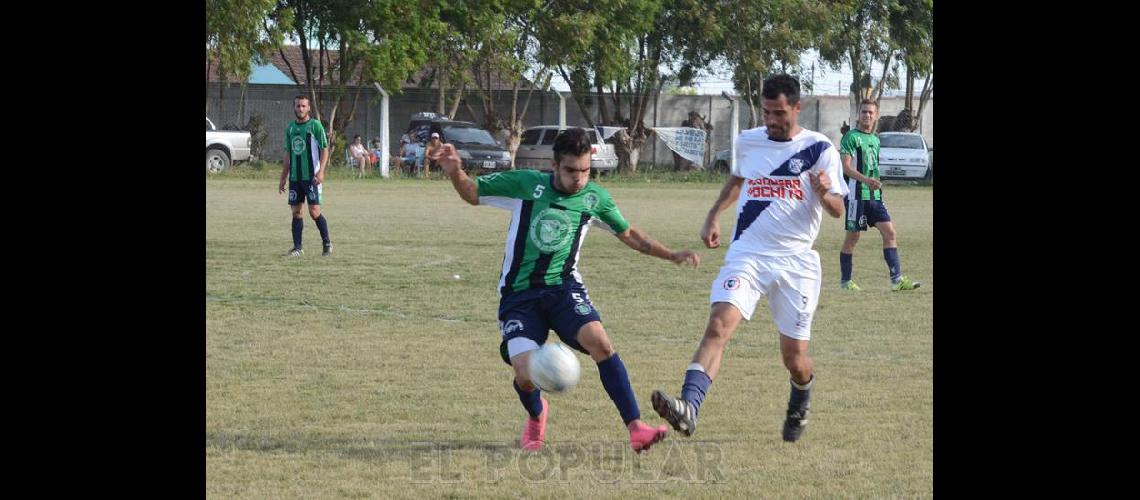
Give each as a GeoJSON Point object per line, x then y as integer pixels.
{"type": "Point", "coordinates": [374, 373]}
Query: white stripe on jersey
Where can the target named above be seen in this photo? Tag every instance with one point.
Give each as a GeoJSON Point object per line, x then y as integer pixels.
{"type": "Point", "coordinates": [315, 150]}
{"type": "Point", "coordinates": [852, 202]}
{"type": "Point", "coordinates": [515, 207]}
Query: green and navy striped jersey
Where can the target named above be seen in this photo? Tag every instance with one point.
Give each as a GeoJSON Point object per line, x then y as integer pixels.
{"type": "Point", "coordinates": [547, 227]}
{"type": "Point", "coordinates": [864, 150]}
{"type": "Point", "coordinates": [303, 144]}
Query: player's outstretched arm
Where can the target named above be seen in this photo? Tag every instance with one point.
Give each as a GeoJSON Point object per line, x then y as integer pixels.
{"type": "Point", "coordinates": [638, 240]}
{"type": "Point", "coordinates": [710, 231]}
{"type": "Point", "coordinates": [449, 160]}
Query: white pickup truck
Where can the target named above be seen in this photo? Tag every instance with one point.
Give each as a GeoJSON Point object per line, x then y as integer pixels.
{"type": "Point", "coordinates": [224, 147]}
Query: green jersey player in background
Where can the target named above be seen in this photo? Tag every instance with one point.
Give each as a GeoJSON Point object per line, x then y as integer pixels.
{"type": "Point", "coordinates": [306, 156]}
{"type": "Point", "coordinates": [859, 151]}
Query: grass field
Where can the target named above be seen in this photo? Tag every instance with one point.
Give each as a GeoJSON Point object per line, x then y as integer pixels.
{"type": "Point", "coordinates": [375, 373]}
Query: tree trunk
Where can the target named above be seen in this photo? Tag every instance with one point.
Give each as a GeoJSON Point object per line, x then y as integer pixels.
{"type": "Point", "coordinates": [628, 149]}
{"type": "Point", "coordinates": [455, 102]}
{"type": "Point", "coordinates": [927, 91]}
{"type": "Point", "coordinates": [878, 92]}
{"type": "Point", "coordinates": [221, 123]}
{"type": "Point", "coordinates": [209, 64]}
{"type": "Point", "coordinates": [241, 104]}
{"type": "Point", "coordinates": [751, 105]}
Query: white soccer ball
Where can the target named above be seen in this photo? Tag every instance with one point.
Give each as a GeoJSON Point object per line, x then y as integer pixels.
{"type": "Point", "coordinates": [554, 368]}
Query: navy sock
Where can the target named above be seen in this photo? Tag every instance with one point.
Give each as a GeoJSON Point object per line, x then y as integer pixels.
{"type": "Point", "coordinates": [800, 398]}
{"type": "Point", "coordinates": [695, 387]}
{"type": "Point", "coordinates": [530, 400]}
{"type": "Point", "coordinates": [323, 227]}
{"type": "Point", "coordinates": [298, 226]}
{"type": "Point", "coordinates": [616, 381]}
{"type": "Point", "coordinates": [845, 266]}
{"type": "Point", "coordinates": [891, 255]}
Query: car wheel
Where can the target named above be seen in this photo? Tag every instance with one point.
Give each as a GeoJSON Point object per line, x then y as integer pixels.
{"type": "Point", "coordinates": [216, 160]}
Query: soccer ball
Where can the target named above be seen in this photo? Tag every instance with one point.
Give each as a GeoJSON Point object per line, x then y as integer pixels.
{"type": "Point", "coordinates": [554, 368]}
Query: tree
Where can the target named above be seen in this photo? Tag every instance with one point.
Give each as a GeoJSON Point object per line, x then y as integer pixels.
{"type": "Point", "coordinates": [759, 39]}
{"type": "Point", "coordinates": [237, 36]}
{"type": "Point", "coordinates": [859, 35]}
{"type": "Point", "coordinates": [354, 43]}
{"type": "Point", "coordinates": [495, 43]}
{"type": "Point", "coordinates": [619, 55]}
{"type": "Point", "coordinates": [912, 30]}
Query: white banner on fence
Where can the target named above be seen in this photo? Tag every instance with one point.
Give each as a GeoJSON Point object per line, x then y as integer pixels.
{"type": "Point", "coordinates": [607, 132]}
{"type": "Point", "coordinates": [686, 141]}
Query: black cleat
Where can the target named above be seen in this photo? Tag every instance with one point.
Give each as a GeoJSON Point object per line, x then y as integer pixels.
{"type": "Point", "coordinates": [678, 412]}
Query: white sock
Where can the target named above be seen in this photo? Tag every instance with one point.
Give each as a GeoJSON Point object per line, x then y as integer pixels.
{"type": "Point", "coordinates": [805, 386]}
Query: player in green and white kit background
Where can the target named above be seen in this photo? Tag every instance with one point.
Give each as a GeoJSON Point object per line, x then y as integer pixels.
{"type": "Point", "coordinates": [306, 156]}
{"type": "Point", "coordinates": [859, 152]}
{"type": "Point", "coordinates": [540, 287]}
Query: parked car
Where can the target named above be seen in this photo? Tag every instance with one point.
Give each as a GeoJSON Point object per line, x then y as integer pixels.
{"type": "Point", "coordinates": [536, 150]}
{"type": "Point", "coordinates": [720, 161]}
{"type": "Point", "coordinates": [476, 147]}
{"type": "Point", "coordinates": [224, 147]}
{"type": "Point", "coordinates": [905, 155]}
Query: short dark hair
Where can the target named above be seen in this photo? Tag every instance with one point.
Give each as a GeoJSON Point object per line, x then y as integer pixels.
{"type": "Point", "coordinates": [872, 102]}
{"type": "Point", "coordinates": [572, 141]}
{"type": "Point", "coordinates": [782, 84]}
{"type": "Point", "coordinates": [299, 97]}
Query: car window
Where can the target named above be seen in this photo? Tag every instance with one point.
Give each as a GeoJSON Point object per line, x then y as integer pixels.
{"type": "Point", "coordinates": [420, 132]}
{"type": "Point", "coordinates": [593, 136]}
{"type": "Point", "coordinates": [530, 137]}
{"type": "Point", "coordinates": [549, 137]}
{"type": "Point", "coordinates": [207, 125]}
{"type": "Point", "coordinates": [468, 135]}
{"type": "Point", "coordinates": [900, 141]}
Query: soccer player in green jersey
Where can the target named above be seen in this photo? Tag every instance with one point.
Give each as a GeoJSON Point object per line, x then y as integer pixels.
{"type": "Point", "coordinates": [859, 152]}
{"type": "Point", "coordinates": [540, 288]}
{"type": "Point", "coordinates": [306, 155]}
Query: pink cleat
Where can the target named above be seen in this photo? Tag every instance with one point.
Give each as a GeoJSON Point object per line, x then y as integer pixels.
{"type": "Point", "coordinates": [534, 431]}
{"type": "Point", "coordinates": [642, 436]}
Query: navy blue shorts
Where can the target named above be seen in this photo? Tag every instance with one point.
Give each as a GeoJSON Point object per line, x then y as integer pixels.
{"type": "Point", "coordinates": [863, 213]}
{"type": "Point", "coordinates": [532, 313]}
{"type": "Point", "coordinates": [301, 191]}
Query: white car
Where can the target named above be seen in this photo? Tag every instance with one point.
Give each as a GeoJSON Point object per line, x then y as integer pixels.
{"type": "Point", "coordinates": [536, 150]}
{"type": "Point", "coordinates": [224, 147]}
{"type": "Point", "coordinates": [905, 155]}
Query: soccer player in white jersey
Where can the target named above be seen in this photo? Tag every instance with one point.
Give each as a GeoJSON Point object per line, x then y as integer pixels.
{"type": "Point", "coordinates": [783, 178]}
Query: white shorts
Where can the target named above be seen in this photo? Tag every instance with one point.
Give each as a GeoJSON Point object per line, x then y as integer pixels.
{"type": "Point", "coordinates": [791, 284]}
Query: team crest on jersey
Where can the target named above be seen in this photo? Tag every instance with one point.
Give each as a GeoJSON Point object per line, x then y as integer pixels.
{"type": "Point", "coordinates": [550, 231]}
{"type": "Point", "coordinates": [582, 309]}
{"type": "Point", "coordinates": [298, 144]}
{"type": "Point", "coordinates": [796, 165]}
{"type": "Point", "coordinates": [590, 200]}
{"type": "Point", "coordinates": [510, 326]}
{"type": "Point", "coordinates": [732, 283]}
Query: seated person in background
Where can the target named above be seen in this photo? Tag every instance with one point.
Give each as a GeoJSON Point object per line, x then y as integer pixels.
{"type": "Point", "coordinates": [360, 154]}
{"type": "Point", "coordinates": [409, 151]}
{"type": "Point", "coordinates": [430, 151]}
{"type": "Point", "coordinates": [376, 151]}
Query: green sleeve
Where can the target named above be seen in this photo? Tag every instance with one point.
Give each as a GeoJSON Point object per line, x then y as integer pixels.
{"type": "Point", "coordinates": [608, 212]}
